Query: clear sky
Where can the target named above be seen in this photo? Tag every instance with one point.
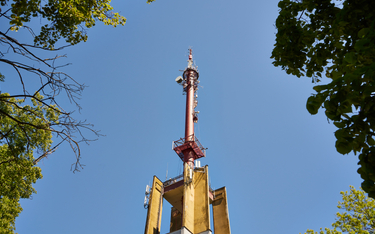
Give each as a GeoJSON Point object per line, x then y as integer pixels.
{"type": "Point", "coordinates": [278, 162]}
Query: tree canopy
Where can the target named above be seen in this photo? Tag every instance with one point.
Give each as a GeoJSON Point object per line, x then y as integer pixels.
{"type": "Point", "coordinates": [24, 129]}
{"type": "Point", "coordinates": [62, 19]}
{"type": "Point", "coordinates": [334, 40]}
{"type": "Point", "coordinates": [32, 121]}
{"type": "Point", "coordinates": [358, 214]}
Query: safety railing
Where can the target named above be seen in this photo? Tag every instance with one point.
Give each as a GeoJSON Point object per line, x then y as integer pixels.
{"type": "Point", "coordinates": [173, 180]}
{"type": "Point", "coordinates": [182, 141]}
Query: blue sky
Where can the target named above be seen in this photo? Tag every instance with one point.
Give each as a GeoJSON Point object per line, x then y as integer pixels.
{"type": "Point", "coordinates": [278, 162]}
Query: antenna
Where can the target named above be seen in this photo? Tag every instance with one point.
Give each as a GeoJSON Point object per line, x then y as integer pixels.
{"type": "Point", "coordinates": [189, 148]}
{"type": "Point", "coordinates": [179, 79]}
{"type": "Point", "coordinates": [147, 197]}
{"type": "Point", "coordinates": [166, 175]}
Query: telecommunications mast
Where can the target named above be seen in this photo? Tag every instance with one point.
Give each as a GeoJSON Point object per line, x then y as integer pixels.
{"type": "Point", "coordinates": [189, 193]}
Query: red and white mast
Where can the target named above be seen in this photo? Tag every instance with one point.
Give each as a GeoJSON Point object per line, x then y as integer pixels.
{"type": "Point", "coordinates": [189, 194]}
{"type": "Point", "coordinates": [191, 76]}
{"type": "Point", "coordinates": [189, 148]}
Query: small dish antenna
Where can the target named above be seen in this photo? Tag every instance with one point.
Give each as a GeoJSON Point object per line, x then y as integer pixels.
{"type": "Point", "coordinates": [179, 79]}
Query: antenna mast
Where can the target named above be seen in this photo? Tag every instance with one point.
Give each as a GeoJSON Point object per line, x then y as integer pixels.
{"type": "Point", "coordinates": [189, 148]}
{"type": "Point", "coordinates": [190, 193]}
{"type": "Point", "coordinates": [191, 77]}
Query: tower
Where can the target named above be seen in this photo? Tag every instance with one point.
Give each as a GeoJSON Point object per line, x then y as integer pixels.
{"type": "Point", "coordinates": [189, 193]}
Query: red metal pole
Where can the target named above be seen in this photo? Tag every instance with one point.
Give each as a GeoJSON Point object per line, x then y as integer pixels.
{"type": "Point", "coordinates": [190, 76]}
{"type": "Point", "coordinates": [190, 149]}
{"type": "Point", "coordinates": [189, 124]}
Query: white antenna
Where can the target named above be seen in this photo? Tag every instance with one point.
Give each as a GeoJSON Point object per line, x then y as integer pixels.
{"type": "Point", "coordinates": [191, 174]}
{"type": "Point", "coordinates": [147, 197]}
{"type": "Point", "coordinates": [166, 175]}
{"type": "Point", "coordinates": [147, 190]}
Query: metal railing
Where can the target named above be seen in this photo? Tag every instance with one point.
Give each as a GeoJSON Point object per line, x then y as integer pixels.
{"type": "Point", "coordinates": [173, 180]}
{"type": "Point", "coordinates": [182, 141]}
{"type": "Point", "coordinates": [181, 177]}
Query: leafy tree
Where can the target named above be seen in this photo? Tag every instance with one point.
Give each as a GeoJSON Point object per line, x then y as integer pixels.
{"type": "Point", "coordinates": [335, 39]}
{"type": "Point", "coordinates": [358, 216]}
{"type": "Point", "coordinates": [33, 116]}
{"type": "Point", "coordinates": [67, 20]}
{"type": "Point", "coordinates": [64, 19]}
{"type": "Point", "coordinates": [25, 129]}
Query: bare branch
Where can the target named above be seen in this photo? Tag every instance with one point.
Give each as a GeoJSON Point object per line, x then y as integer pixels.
{"type": "Point", "coordinates": [52, 83]}
{"type": "Point", "coordinates": [46, 153]}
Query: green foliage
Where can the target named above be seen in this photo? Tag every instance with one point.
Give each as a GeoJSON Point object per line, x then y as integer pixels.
{"type": "Point", "coordinates": [27, 125]}
{"type": "Point", "coordinates": [358, 216]}
{"type": "Point", "coordinates": [23, 130]}
{"type": "Point", "coordinates": [336, 40]}
{"type": "Point", "coordinates": [9, 210]}
{"type": "Point", "coordinates": [65, 19]}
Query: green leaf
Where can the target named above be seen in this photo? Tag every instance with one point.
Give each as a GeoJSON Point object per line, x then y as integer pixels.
{"type": "Point", "coordinates": [341, 133]}
{"type": "Point", "coordinates": [343, 147]}
{"type": "Point", "coordinates": [336, 74]}
{"type": "Point", "coordinates": [363, 32]}
{"type": "Point", "coordinates": [312, 105]}
{"type": "Point", "coordinates": [319, 88]}
{"type": "Point", "coordinates": [370, 140]}
{"type": "Point", "coordinates": [339, 124]}
{"type": "Point", "coordinates": [350, 58]}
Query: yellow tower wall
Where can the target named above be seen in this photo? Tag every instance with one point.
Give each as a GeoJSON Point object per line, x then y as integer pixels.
{"type": "Point", "coordinates": [202, 202]}
{"type": "Point", "coordinates": [196, 203]}
{"type": "Point", "coordinates": [153, 220]}
{"type": "Point", "coordinates": [188, 200]}
{"type": "Point", "coordinates": [220, 212]}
